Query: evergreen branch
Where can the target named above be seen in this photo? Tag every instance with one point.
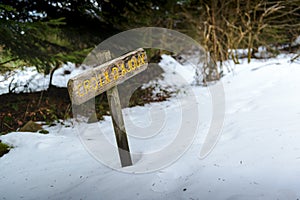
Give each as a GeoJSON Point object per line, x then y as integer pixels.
{"type": "Point", "coordinates": [8, 61]}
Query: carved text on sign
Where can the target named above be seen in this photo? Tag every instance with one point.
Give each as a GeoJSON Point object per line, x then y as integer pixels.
{"type": "Point", "coordinates": [101, 78]}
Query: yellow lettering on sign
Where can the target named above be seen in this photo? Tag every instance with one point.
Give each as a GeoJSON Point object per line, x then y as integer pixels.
{"type": "Point", "coordinates": [123, 72]}
{"type": "Point", "coordinates": [106, 75]}
{"type": "Point", "coordinates": [95, 83]}
{"type": "Point", "coordinates": [99, 80]}
{"type": "Point", "coordinates": [132, 63]}
{"type": "Point", "coordinates": [115, 72]}
{"type": "Point", "coordinates": [112, 74]}
{"type": "Point", "coordinates": [141, 59]}
{"type": "Point", "coordinates": [128, 70]}
{"type": "Point", "coordinates": [86, 85]}
{"type": "Point", "coordinates": [78, 90]}
{"type": "Point", "coordinates": [129, 65]}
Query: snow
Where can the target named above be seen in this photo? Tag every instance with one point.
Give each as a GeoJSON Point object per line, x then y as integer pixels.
{"type": "Point", "coordinates": [262, 53]}
{"type": "Point", "coordinates": [28, 79]}
{"type": "Point", "coordinates": [256, 157]}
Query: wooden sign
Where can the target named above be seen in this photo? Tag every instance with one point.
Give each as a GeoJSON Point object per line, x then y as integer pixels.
{"type": "Point", "coordinates": [106, 77]}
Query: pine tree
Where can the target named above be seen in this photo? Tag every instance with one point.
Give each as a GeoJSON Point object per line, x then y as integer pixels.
{"type": "Point", "coordinates": [46, 34]}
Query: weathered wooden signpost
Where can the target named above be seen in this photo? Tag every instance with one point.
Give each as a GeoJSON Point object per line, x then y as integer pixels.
{"type": "Point", "coordinates": [106, 77]}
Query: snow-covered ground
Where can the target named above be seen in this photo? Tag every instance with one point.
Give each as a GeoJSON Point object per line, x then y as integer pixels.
{"type": "Point", "coordinates": [256, 157]}
{"type": "Point", "coordinates": [28, 79]}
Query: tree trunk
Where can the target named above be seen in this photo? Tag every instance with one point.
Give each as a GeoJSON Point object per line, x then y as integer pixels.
{"type": "Point", "coordinates": [51, 75]}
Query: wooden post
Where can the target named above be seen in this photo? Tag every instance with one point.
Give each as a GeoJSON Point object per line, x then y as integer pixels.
{"type": "Point", "coordinates": [119, 126]}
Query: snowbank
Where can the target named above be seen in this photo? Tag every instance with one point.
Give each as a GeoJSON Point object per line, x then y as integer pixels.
{"type": "Point", "coordinates": [257, 156]}
{"type": "Point", "coordinates": [29, 80]}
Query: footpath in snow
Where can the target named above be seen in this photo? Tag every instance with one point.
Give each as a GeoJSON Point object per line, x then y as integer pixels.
{"type": "Point", "coordinates": [256, 157]}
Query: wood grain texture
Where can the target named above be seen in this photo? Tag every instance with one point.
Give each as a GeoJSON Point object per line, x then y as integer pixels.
{"type": "Point", "coordinates": [119, 126]}
{"type": "Point", "coordinates": [95, 81]}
